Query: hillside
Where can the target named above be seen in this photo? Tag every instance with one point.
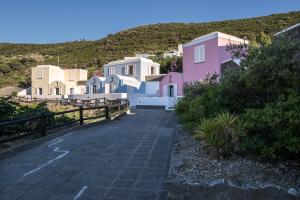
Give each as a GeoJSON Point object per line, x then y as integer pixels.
{"type": "Point", "coordinates": [16, 59]}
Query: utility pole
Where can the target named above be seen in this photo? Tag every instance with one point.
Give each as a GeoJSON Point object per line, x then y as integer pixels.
{"type": "Point", "coordinates": [57, 58]}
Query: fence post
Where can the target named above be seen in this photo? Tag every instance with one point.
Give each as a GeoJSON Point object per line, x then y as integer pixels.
{"type": "Point", "coordinates": [81, 115]}
{"type": "Point", "coordinates": [106, 112]}
{"type": "Point", "coordinates": [43, 125]}
{"type": "Point", "coordinates": [127, 104]}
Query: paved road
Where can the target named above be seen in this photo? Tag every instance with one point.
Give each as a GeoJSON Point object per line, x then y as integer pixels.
{"type": "Point", "coordinates": [122, 159]}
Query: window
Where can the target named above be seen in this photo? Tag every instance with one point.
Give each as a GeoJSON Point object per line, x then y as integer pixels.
{"type": "Point", "coordinates": [40, 91]}
{"type": "Point", "coordinates": [111, 70]}
{"type": "Point", "coordinates": [39, 74]}
{"type": "Point", "coordinates": [123, 70]}
{"type": "Point", "coordinates": [87, 89]}
{"type": "Point", "coordinates": [130, 69]}
{"type": "Point", "coordinates": [71, 76]}
{"type": "Point", "coordinates": [170, 78]}
{"type": "Point", "coordinates": [71, 91]}
{"type": "Point", "coordinates": [153, 71]}
{"type": "Point", "coordinates": [94, 89]}
{"type": "Point", "coordinates": [200, 54]}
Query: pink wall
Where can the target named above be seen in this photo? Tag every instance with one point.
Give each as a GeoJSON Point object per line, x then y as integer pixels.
{"type": "Point", "coordinates": [215, 54]}
{"type": "Point", "coordinates": [172, 78]}
{"type": "Point", "coordinates": [198, 71]}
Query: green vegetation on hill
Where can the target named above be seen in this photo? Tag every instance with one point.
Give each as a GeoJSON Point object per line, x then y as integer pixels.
{"type": "Point", "coordinates": [153, 39]}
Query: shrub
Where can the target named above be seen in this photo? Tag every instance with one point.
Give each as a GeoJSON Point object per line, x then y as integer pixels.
{"type": "Point", "coordinates": [201, 101]}
{"type": "Point", "coordinates": [274, 130]}
{"type": "Point", "coordinates": [4, 68]}
{"type": "Point", "coordinates": [221, 134]}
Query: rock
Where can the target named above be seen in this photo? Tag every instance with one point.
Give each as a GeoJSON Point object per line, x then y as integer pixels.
{"type": "Point", "coordinates": [216, 182]}
{"type": "Point", "coordinates": [281, 166]}
{"type": "Point", "coordinates": [293, 191]}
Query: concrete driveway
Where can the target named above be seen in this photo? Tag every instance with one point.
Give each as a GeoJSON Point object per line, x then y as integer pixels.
{"type": "Point", "coordinates": [122, 159]}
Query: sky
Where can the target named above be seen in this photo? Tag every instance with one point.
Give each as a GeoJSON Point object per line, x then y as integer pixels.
{"type": "Point", "coordinates": [51, 21]}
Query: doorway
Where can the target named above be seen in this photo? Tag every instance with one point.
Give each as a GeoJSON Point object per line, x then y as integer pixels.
{"type": "Point", "coordinates": [57, 91]}
{"type": "Point", "coordinates": [94, 89]}
{"type": "Point", "coordinates": [171, 90]}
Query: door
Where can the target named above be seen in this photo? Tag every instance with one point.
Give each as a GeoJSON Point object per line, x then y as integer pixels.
{"type": "Point", "coordinates": [111, 88]}
{"type": "Point", "coordinates": [57, 91]}
{"type": "Point", "coordinates": [94, 89]}
{"type": "Point", "coordinates": [171, 90]}
{"type": "Point", "coordinates": [40, 91]}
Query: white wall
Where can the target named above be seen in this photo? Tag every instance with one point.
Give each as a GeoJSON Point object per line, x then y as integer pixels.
{"type": "Point", "coordinates": [142, 100]}
{"type": "Point", "coordinates": [152, 88]}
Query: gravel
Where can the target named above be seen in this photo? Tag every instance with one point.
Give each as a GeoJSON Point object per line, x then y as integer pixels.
{"type": "Point", "coordinates": [195, 165]}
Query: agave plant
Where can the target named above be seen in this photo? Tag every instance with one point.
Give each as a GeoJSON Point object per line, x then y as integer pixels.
{"type": "Point", "coordinates": [221, 133]}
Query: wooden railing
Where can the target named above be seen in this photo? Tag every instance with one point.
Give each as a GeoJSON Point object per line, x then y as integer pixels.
{"type": "Point", "coordinates": [39, 125]}
{"type": "Point", "coordinates": [66, 101]}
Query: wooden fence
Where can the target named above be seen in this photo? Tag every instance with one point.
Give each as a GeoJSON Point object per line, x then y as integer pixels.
{"type": "Point", "coordinates": [74, 102]}
{"type": "Point", "coordinates": [39, 125]}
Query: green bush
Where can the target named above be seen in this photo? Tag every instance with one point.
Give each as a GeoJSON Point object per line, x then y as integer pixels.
{"type": "Point", "coordinates": [201, 100]}
{"type": "Point", "coordinates": [274, 130]}
{"type": "Point", "coordinates": [222, 133]}
{"type": "Point", "coordinates": [4, 68]}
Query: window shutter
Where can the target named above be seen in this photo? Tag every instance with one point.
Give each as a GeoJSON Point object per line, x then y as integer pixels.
{"type": "Point", "coordinates": [199, 54]}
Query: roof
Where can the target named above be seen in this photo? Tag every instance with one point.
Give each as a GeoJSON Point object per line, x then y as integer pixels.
{"type": "Point", "coordinates": [46, 66]}
{"type": "Point", "coordinates": [287, 29]}
{"type": "Point", "coordinates": [212, 36]}
{"type": "Point", "coordinates": [128, 60]}
{"type": "Point", "coordinates": [81, 82]}
{"type": "Point", "coordinates": [7, 91]}
{"type": "Point", "coordinates": [155, 77]}
{"type": "Point", "coordinates": [236, 61]}
{"type": "Point", "coordinates": [127, 80]}
{"type": "Point", "coordinates": [101, 78]}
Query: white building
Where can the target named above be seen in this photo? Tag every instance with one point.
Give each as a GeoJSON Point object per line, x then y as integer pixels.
{"type": "Point", "coordinates": [95, 85]}
{"type": "Point", "coordinates": [134, 67]}
{"type": "Point", "coordinates": [174, 53]}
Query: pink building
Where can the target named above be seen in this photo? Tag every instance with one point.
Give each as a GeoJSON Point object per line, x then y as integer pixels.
{"type": "Point", "coordinates": [204, 55]}
{"type": "Point", "coordinates": [171, 85]}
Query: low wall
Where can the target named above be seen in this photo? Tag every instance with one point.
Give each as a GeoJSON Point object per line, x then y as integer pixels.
{"type": "Point", "coordinates": [143, 100]}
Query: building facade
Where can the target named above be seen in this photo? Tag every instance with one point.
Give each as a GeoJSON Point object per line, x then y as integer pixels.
{"type": "Point", "coordinates": [204, 55]}
{"type": "Point", "coordinates": [95, 85]}
{"type": "Point", "coordinates": [49, 81]}
{"type": "Point", "coordinates": [120, 73]}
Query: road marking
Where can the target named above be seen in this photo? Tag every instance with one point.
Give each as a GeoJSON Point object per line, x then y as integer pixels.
{"type": "Point", "coordinates": [80, 192]}
{"type": "Point", "coordinates": [55, 142]}
{"type": "Point", "coordinates": [58, 138]}
{"type": "Point", "coordinates": [51, 143]}
{"type": "Point", "coordinates": [56, 149]}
